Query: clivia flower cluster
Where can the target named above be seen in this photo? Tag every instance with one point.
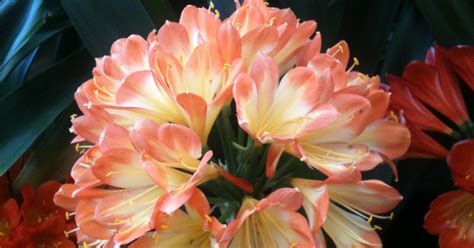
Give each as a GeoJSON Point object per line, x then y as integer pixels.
{"type": "Point", "coordinates": [427, 93]}
{"type": "Point", "coordinates": [38, 222]}
{"type": "Point", "coordinates": [194, 138]}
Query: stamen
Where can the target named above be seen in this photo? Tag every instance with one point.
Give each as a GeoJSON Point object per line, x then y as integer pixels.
{"type": "Point", "coordinates": [356, 62]}
{"type": "Point", "coordinates": [394, 117]}
{"type": "Point", "coordinates": [211, 6]}
{"type": "Point", "coordinates": [218, 14]}
{"type": "Point", "coordinates": [66, 233]}
{"type": "Point", "coordinates": [68, 215]}
{"type": "Point", "coordinates": [84, 244]}
{"type": "Point", "coordinates": [82, 148]}
{"type": "Point", "coordinates": [377, 227]}
{"type": "Point", "coordinates": [340, 49]}
{"type": "Point", "coordinates": [164, 227]}
{"type": "Point", "coordinates": [208, 218]}
{"type": "Point", "coordinates": [73, 116]}
{"type": "Point", "coordinates": [109, 173]}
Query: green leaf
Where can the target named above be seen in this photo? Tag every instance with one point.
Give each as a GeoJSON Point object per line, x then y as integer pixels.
{"type": "Point", "coordinates": [21, 20]}
{"type": "Point", "coordinates": [403, 46]}
{"type": "Point", "coordinates": [37, 39]}
{"type": "Point", "coordinates": [18, 75]}
{"type": "Point", "coordinates": [450, 21]}
{"type": "Point", "coordinates": [159, 11]}
{"type": "Point", "coordinates": [100, 23]}
{"type": "Point", "coordinates": [364, 24]}
{"type": "Point", "coordinates": [26, 113]}
{"type": "Point", "coordinates": [54, 157]}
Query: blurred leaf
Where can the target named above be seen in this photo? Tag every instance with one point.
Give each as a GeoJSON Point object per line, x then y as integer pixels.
{"type": "Point", "coordinates": [364, 24]}
{"type": "Point", "coordinates": [452, 22]}
{"type": "Point", "coordinates": [55, 155]}
{"type": "Point", "coordinates": [37, 39]}
{"type": "Point", "coordinates": [26, 113]}
{"type": "Point", "coordinates": [159, 11]}
{"type": "Point", "coordinates": [327, 13]}
{"type": "Point", "coordinates": [18, 75]}
{"type": "Point", "coordinates": [100, 23]}
{"type": "Point", "coordinates": [403, 46]}
{"type": "Point", "coordinates": [20, 20]}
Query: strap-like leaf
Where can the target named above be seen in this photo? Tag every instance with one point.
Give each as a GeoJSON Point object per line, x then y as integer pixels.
{"type": "Point", "coordinates": [100, 23]}
{"type": "Point", "coordinates": [26, 113]}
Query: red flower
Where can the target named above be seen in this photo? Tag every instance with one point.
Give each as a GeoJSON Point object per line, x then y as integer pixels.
{"type": "Point", "coordinates": [11, 234]}
{"type": "Point", "coordinates": [451, 216]}
{"type": "Point", "coordinates": [427, 86]}
{"type": "Point", "coordinates": [462, 58]}
{"type": "Point", "coordinates": [43, 221]}
{"type": "Point", "coordinates": [461, 163]}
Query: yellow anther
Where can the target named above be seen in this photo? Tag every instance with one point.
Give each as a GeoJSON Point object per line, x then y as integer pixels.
{"type": "Point", "coordinates": [164, 227]}
{"type": "Point", "coordinates": [211, 5]}
{"type": "Point", "coordinates": [391, 216]}
{"type": "Point", "coordinates": [394, 117]}
{"type": "Point", "coordinates": [377, 227]}
{"type": "Point", "coordinates": [84, 244]}
{"type": "Point", "coordinates": [66, 234]}
{"type": "Point", "coordinates": [270, 22]}
{"type": "Point", "coordinates": [293, 245]}
{"type": "Point", "coordinates": [218, 14]}
{"type": "Point", "coordinates": [67, 216]}
{"type": "Point", "coordinates": [208, 218]}
{"type": "Point", "coordinates": [370, 219]}
{"type": "Point", "coordinates": [356, 61]}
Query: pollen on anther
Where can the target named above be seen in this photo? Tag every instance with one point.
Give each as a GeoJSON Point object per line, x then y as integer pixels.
{"type": "Point", "coordinates": [208, 218]}
{"type": "Point", "coordinates": [377, 227]}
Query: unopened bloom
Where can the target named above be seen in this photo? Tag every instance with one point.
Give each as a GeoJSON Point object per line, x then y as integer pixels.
{"type": "Point", "coordinates": [361, 201]}
{"type": "Point", "coordinates": [270, 222]}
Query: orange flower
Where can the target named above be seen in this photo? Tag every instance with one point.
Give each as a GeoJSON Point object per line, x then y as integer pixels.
{"type": "Point", "coordinates": [350, 224]}
{"type": "Point", "coordinates": [193, 227]}
{"type": "Point", "coordinates": [130, 176]}
{"type": "Point", "coordinates": [271, 31]}
{"type": "Point", "coordinates": [335, 133]}
{"type": "Point", "coordinates": [270, 222]}
{"type": "Point", "coordinates": [450, 216]}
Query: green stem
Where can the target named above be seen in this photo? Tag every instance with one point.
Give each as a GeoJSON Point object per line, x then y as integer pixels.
{"type": "Point", "coordinates": [227, 137]}
{"type": "Point", "coordinates": [228, 212]}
